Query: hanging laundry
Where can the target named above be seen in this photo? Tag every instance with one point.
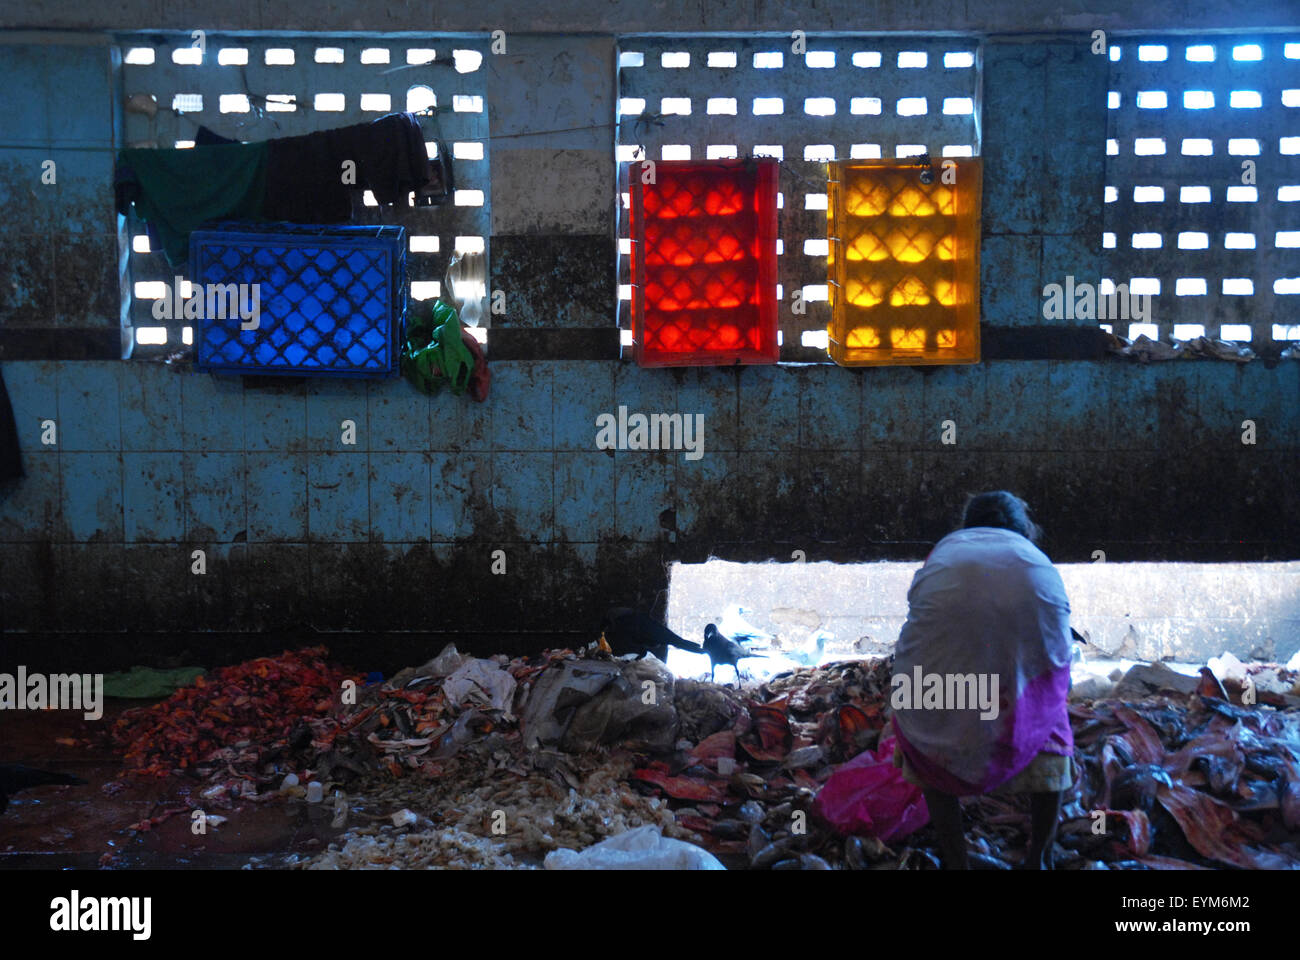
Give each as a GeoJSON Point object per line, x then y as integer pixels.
{"type": "Point", "coordinates": [11, 457]}
{"type": "Point", "coordinates": [206, 138]}
{"type": "Point", "coordinates": [295, 179]}
{"type": "Point", "coordinates": [174, 191]}
{"type": "Point", "coordinates": [305, 182]}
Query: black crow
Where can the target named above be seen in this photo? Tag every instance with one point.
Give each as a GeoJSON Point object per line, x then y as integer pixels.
{"type": "Point", "coordinates": [722, 649]}
{"type": "Point", "coordinates": [631, 631]}
{"type": "Point", "coordinates": [16, 776]}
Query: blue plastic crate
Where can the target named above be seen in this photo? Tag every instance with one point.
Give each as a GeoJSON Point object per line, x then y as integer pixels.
{"type": "Point", "coordinates": [332, 299]}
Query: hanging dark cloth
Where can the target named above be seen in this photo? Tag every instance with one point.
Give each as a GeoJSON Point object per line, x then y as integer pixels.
{"type": "Point", "coordinates": [305, 175]}
{"type": "Point", "coordinates": [295, 179]}
{"type": "Point", "coordinates": [11, 457]}
{"type": "Point", "coordinates": [207, 138]}
{"type": "Point", "coordinates": [176, 190]}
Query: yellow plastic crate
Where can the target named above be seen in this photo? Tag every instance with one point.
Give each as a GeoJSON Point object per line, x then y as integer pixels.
{"type": "Point", "coordinates": [903, 262]}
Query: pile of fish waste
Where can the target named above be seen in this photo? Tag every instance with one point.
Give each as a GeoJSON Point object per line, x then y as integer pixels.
{"type": "Point", "coordinates": [485, 815]}
{"type": "Point", "coordinates": [562, 750]}
{"type": "Point", "coordinates": [495, 762]}
{"type": "Point", "coordinates": [211, 724]}
{"type": "Point", "coordinates": [1183, 780]}
{"type": "Point", "coordinates": [1226, 677]}
{"type": "Point", "coordinates": [234, 729]}
{"type": "Point", "coordinates": [581, 748]}
{"type": "Point", "coordinates": [421, 719]}
{"type": "Point", "coordinates": [747, 779]}
{"type": "Point", "coordinates": [469, 762]}
{"type": "Point", "coordinates": [446, 848]}
{"type": "Point", "coordinates": [1181, 783]}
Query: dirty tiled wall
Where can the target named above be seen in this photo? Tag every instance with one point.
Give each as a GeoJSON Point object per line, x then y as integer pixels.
{"type": "Point", "coordinates": [383, 544]}
{"type": "Point", "coordinates": [58, 245]}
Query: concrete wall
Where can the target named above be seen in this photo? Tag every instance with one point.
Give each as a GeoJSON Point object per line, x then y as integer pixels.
{"type": "Point", "coordinates": [1128, 611]}
{"type": "Point", "coordinates": [393, 540]}
{"type": "Point", "coordinates": [649, 16]}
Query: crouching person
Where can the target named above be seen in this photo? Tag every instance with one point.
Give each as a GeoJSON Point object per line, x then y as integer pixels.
{"type": "Point", "coordinates": [987, 624]}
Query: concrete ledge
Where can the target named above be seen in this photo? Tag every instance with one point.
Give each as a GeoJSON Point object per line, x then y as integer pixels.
{"type": "Point", "coordinates": [656, 16]}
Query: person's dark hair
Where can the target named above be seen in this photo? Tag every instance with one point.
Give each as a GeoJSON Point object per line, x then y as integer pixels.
{"type": "Point", "coordinates": [1000, 508]}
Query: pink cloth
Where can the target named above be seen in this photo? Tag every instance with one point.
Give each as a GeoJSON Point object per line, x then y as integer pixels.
{"type": "Point", "coordinates": [481, 379]}
{"type": "Point", "coordinates": [986, 603]}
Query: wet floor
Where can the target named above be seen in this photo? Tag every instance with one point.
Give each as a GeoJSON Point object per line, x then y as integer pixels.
{"type": "Point", "coordinates": [86, 827]}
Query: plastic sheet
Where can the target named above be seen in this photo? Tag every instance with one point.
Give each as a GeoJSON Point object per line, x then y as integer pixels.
{"type": "Point", "coordinates": [481, 681]}
{"type": "Point", "coordinates": [434, 354]}
{"type": "Point", "coordinates": [466, 281]}
{"type": "Point", "coordinates": [439, 351]}
{"type": "Point", "coordinates": [643, 848]}
{"type": "Point", "coordinates": [147, 683]}
{"type": "Point", "coordinates": [869, 796]}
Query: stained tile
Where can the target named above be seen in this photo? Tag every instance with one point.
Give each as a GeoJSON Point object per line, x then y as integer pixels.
{"type": "Point", "coordinates": [521, 406]}
{"type": "Point", "coordinates": [399, 496]}
{"type": "Point", "coordinates": [88, 406]}
{"type": "Point", "coordinates": [275, 418]}
{"type": "Point", "coordinates": [331, 405]}
{"type": "Point", "coordinates": [337, 497]}
{"type": "Point", "coordinates": [212, 410]}
{"type": "Point", "coordinates": [153, 496]}
{"type": "Point", "coordinates": [399, 416]}
{"type": "Point", "coordinates": [523, 495]}
{"type": "Point", "coordinates": [583, 391]}
{"type": "Point", "coordinates": [214, 497]}
{"type": "Point", "coordinates": [584, 496]}
{"type": "Point", "coordinates": [276, 496]}
{"type": "Point", "coordinates": [642, 493]}
{"type": "Point", "coordinates": [92, 495]}
{"type": "Point", "coordinates": [769, 404]}
{"type": "Point", "coordinates": [150, 395]}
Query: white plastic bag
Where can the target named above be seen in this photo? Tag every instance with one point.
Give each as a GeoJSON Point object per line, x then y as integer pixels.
{"type": "Point", "coordinates": [642, 848]}
{"type": "Point", "coordinates": [449, 660]}
{"type": "Point", "coordinates": [483, 681]}
{"type": "Point", "coordinates": [466, 286]}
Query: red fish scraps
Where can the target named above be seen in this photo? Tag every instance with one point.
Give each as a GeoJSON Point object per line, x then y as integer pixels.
{"type": "Point", "coordinates": [238, 710]}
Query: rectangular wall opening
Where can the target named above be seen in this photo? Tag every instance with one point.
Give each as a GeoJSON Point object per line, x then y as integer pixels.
{"type": "Point", "coordinates": [1180, 613]}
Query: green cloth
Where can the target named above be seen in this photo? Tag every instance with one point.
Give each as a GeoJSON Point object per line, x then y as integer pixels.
{"type": "Point", "coordinates": [434, 353]}
{"type": "Point", "coordinates": [148, 682]}
{"type": "Point", "coordinates": [180, 189]}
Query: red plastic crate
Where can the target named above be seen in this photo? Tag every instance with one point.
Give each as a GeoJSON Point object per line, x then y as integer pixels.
{"type": "Point", "coordinates": [704, 263]}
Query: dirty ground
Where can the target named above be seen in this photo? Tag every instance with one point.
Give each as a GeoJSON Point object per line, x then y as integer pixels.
{"type": "Point", "coordinates": [462, 762]}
